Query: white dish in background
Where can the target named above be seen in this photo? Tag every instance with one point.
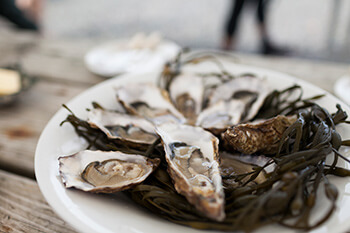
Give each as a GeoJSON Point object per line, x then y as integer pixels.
{"type": "Point", "coordinates": [116, 213]}
{"type": "Point", "coordinates": [139, 54]}
{"type": "Point", "coordinates": [342, 88]}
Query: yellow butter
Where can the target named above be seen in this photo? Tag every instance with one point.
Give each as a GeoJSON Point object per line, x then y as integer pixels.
{"type": "Point", "coordinates": [10, 82]}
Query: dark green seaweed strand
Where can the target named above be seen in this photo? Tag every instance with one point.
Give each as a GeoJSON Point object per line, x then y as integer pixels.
{"type": "Point", "coordinates": [286, 197]}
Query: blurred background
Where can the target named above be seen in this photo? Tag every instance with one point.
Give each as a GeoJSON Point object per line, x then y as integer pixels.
{"type": "Point", "coordinates": [313, 29]}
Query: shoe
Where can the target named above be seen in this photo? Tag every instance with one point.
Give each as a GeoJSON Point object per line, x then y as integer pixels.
{"type": "Point", "coordinates": [270, 49]}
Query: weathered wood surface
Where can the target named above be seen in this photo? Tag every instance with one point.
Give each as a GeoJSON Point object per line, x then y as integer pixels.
{"type": "Point", "coordinates": [24, 209]}
{"type": "Point", "coordinates": [61, 74]}
{"type": "Point", "coordinates": [22, 123]}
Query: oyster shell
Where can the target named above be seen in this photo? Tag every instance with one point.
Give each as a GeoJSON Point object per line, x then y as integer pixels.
{"type": "Point", "coordinates": [192, 157]}
{"type": "Point", "coordinates": [250, 90]}
{"type": "Point", "coordinates": [236, 164]}
{"type": "Point", "coordinates": [104, 172]}
{"type": "Point", "coordinates": [221, 115]}
{"type": "Point", "coordinates": [186, 92]}
{"type": "Point", "coordinates": [130, 129]}
{"type": "Point", "coordinates": [262, 136]}
{"type": "Point", "coordinates": [149, 101]}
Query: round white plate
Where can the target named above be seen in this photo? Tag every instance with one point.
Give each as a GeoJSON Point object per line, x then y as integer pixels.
{"type": "Point", "coordinates": [113, 58]}
{"type": "Point", "coordinates": [342, 88]}
{"type": "Point", "coordinates": [116, 213]}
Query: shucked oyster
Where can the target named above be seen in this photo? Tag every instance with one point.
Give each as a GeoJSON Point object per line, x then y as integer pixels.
{"type": "Point", "coordinates": [221, 115]}
{"type": "Point", "coordinates": [104, 172]}
{"type": "Point", "coordinates": [192, 157]}
{"type": "Point", "coordinates": [149, 101]}
{"type": "Point", "coordinates": [130, 129]}
{"type": "Point", "coordinates": [249, 90]}
{"type": "Point", "coordinates": [186, 92]}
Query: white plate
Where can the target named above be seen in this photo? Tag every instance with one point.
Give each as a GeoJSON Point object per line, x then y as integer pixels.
{"type": "Point", "coordinates": [113, 58]}
{"type": "Point", "coordinates": [106, 213]}
{"type": "Point", "coordinates": [342, 87]}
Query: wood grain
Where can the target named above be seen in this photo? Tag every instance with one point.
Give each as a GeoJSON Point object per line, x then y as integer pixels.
{"type": "Point", "coordinates": [59, 67]}
{"type": "Point", "coordinates": [22, 123]}
{"type": "Point", "coordinates": [24, 209]}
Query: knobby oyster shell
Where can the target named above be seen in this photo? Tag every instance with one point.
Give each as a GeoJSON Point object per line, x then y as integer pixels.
{"type": "Point", "coordinates": [260, 136]}
{"type": "Point", "coordinates": [104, 172]}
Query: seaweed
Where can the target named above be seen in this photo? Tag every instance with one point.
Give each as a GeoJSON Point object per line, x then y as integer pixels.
{"type": "Point", "coordinates": [291, 189]}
{"type": "Point", "coordinates": [286, 197]}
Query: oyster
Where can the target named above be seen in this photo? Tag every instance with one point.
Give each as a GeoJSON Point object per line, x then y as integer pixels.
{"type": "Point", "coordinates": [104, 172]}
{"type": "Point", "coordinates": [130, 129]}
{"type": "Point", "coordinates": [262, 136]}
{"type": "Point", "coordinates": [250, 90]}
{"type": "Point", "coordinates": [186, 92]}
{"type": "Point", "coordinates": [221, 115]}
{"type": "Point", "coordinates": [235, 164]}
{"type": "Point", "coordinates": [149, 101]}
{"type": "Point", "coordinates": [192, 157]}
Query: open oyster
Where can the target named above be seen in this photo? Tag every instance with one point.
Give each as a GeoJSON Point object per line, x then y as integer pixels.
{"type": "Point", "coordinates": [192, 157]}
{"type": "Point", "coordinates": [132, 130]}
{"type": "Point", "coordinates": [221, 115]}
{"type": "Point", "coordinates": [149, 101]}
{"type": "Point", "coordinates": [186, 92]}
{"type": "Point", "coordinates": [249, 90]}
{"type": "Point", "coordinates": [104, 172]}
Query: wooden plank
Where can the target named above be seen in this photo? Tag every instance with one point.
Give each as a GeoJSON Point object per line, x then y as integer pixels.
{"type": "Point", "coordinates": [56, 61]}
{"type": "Point", "coordinates": [22, 123]}
{"type": "Point", "coordinates": [24, 209]}
{"type": "Point", "coordinates": [56, 68]}
{"type": "Point", "coordinates": [17, 38]}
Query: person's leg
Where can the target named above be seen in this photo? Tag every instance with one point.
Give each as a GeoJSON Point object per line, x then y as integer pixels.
{"type": "Point", "coordinates": [267, 47]}
{"type": "Point", "coordinates": [9, 10]}
{"type": "Point", "coordinates": [261, 18]}
{"type": "Point", "coordinates": [231, 24]}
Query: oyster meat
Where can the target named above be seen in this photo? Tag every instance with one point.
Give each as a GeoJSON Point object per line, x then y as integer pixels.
{"type": "Point", "coordinates": [262, 136]}
{"type": "Point", "coordinates": [129, 129]}
{"type": "Point", "coordinates": [186, 92]}
{"type": "Point", "coordinates": [192, 157]}
{"type": "Point", "coordinates": [104, 172]}
{"type": "Point", "coordinates": [221, 115]}
{"type": "Point", "coordinates": [249, 90]}
{"type": "Point", "coordinates": [149, 101]}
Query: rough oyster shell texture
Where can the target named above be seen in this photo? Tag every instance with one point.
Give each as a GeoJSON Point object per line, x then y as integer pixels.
{"type": "Point", "coordinates": [257, 137]}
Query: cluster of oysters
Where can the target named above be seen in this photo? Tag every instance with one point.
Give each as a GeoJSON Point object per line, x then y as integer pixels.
{"type": "Point", "coordinates": [190, 115]}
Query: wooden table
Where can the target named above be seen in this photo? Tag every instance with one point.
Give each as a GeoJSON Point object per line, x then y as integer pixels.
{"type": "Point", "coordinates": [61, 74]}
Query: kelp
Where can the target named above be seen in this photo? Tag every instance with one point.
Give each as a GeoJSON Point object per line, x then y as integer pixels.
{"type": "Point", "coordinates": [291, 189]}
{"type": "Point", "coordinates": [286, 197]}
{"type": "Point", "coordinates": [173, 68]}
